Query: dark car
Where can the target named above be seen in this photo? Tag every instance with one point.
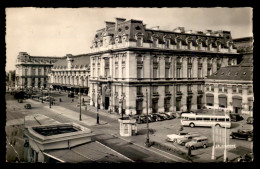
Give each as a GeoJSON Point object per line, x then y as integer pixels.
{"type": "Point", "coordinates": [151, 118]}
{"type": "Point", "coordinates": [246, 158]}
{"type": "Point", "coordinates": [27, 106]}
{"type": "Point", "coordinates": [236, 117]}
{"type": "Point", "coordinates": [250, 120]}
{"type": "Point", "coordinates": [158, 117]}
{"type": "Point", "coordinates": [140, 119]}
{"type": "Point", "coordinates": [166, 116]}
{"type": "Point", "coordinates": [71, 95]}
{"type": "Point", "coordinates": [242, 134]}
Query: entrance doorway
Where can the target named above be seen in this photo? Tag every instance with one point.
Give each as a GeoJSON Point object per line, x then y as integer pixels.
{"type": "Point", "coordinates": [155, 106]}
{"type": "Point", "coordinates": [199, 102]}
{"type": "Point", "coordinates": [106, 103]}
{"type": "Point", "coordinates": [189, 103]}
{"type": "Point", "coordinates": [237, 104]}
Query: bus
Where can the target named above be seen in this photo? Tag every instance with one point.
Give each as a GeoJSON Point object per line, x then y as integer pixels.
{"type": "Point", "coordinates": [192, 120]}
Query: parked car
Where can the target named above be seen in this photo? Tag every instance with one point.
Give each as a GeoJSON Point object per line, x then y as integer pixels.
{"type": "Point", "coordinates": [244, 134]}
{"type": "Point", "coordinates": [162, 116]}
{"type": "Point", "coordinates": [71, 95]}
{"type": "Point", "coordinates": [27, 106]}
{"type": "Point", "coordinates": [236, 117]}
{"type": "Point", "coordinates": [186, 139]}
{"type": "Point", "coordinates": [196, 142]}
{"type": "Point", "coordinates": [171, 115]}
{"type": "Point", "coordinates": [178, 114]}
{"type": "Point", "coordinates": [158, 117]}
{"type": "Point", "coordinates": [140, 119]}
{"type": "Point", "coordinates": [246, 158]}
{"type": "Point", "coordinates": [250, 120]}
{"type": "Point", "coordinates": [151, 118]}
{"type": "Point", "coordinates": [174, 137]}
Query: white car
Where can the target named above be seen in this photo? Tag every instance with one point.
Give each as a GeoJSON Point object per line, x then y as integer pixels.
{"type": "Point", "coordinates": [187, 138]}
{"type": "Point", "coordinates": [174, 137]}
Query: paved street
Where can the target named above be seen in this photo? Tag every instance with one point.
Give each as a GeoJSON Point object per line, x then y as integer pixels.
{"type": "Point", "coordinates": [108, 131]}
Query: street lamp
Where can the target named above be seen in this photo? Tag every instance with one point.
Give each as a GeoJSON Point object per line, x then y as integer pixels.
{"type": "Point", "coordinates": [147, 138]}
{"type": "Point", "coordinates": [80, 99]}
{"type": "Point", "coordinates": [50, 97]}
{"type": "Point", "coordinates": [97, 107]}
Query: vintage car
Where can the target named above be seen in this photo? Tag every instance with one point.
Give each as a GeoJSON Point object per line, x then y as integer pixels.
{"type": "Point", "coordinates": [236, 117]}
{"type": "Point", "coordinates": [186, 139]}
{"type": "Point", "coordinates": [27, 106]}
{"type": "Point", "coordinates": [174, 137]}
{"type": "Point", "coordinates": [243, 134]}
{"type": "Point", "coordinates": [246, 158]}
{"type": "Point", "coordinates": [250, 120]}
{"type": "Point", "coordinates": [196, 142]}
{"type": "Point", "coordinates": [171, 115]}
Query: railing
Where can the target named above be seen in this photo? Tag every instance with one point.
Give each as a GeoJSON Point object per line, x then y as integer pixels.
{"type": "Point", "coordinates": [179, 93]}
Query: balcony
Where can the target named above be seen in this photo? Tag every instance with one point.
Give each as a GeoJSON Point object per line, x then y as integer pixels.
{"type": "Point", "coordinates": [155, 94]}
{"type": "Point", "coordinates": [167, 93]}
{"type": "Point", "coordinates": [190, 92]}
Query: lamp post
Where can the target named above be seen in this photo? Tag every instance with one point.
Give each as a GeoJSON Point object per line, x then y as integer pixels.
{"type": "Point", "coordinates": [97, 105]}
{"type": "Point", "coordinates": [42, 95]}
{"type": "Point", "coordinates": [50, 97]}
{"type": "Point", "coordinates": [80, 99]}
{"type": "Point", "coordinates": [147, 138]}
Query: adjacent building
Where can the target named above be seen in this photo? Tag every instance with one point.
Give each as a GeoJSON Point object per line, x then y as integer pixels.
{"type": "Point", "coordinates": [32, 71]}
{"type": "Point", "coordinates": [132, 65]}
{"type": "Point", "coordinates": [231, 87]}
{"type": "Point", "coordinates": [71, 73]}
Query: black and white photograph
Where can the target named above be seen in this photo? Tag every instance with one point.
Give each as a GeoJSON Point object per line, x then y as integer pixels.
{"type": "Point", "coordinates": [129, 85]}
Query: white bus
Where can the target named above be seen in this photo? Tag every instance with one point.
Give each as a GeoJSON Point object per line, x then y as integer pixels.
{"type": "Point", "coordinates": [192, 120]}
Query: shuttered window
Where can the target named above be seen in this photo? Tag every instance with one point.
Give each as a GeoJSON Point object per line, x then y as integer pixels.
{"type": "Point", "coordinates": [222, 101]}
{"type": "Point", "coordinates": [210, 100]}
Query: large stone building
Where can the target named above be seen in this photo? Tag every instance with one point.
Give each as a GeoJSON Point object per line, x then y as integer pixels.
{"type": "Point", "coordinates": [32, 71]}
{"type": "Point", "coordinates": [71, 73]}
{"type": "Point", "coordinates": [128, 59]}
{"type": "Point", "coordinates": [231, 87]}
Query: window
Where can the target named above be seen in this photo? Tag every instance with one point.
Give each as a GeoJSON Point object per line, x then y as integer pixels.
{"type": "Point", "coordinates": [189, 73]}
{"type": "Point", "coordinates": [155, 42]}
{"type": "Point", "coordinates": [39, 71]}
{"type": "Point", "coordinates": [189, 88]}
{"type": "Point", "coordinates": [178, 88]}
{"type": "Point", "coordinates": [240, 89]}
{"type": "Point", "coordinates": [250, 89]}
{"type": "Point", "coordinates": [25, 72]}
{"type": "Point", "coordinates": [221, 119]}
{"type": "Point", "coordinates": [139, 107]}
{"type": "Point", "coordinates": [234, 88]}
{"type": "Point", "coordinates": [154, 72]}
{"type": "Point", "coordinates": [94, 72]}
{"type": "Point", "coordinates": [229, 62]}
{"type": "Point", "coordinates": [98, 73]}
{"type": "Point", "coordinates": [167, 89]}
{"type": "Point", "coordinates": [178, 73]}
{"type": "Point", "coordinates": [212, 87]}
{"type": "Point", "coordinates": [198, 118]}
{"type": "Point", "coordinates": [139, 42]}
{"type": "Point", "coordinates": [206, 118]}
{"type": "Point", "coordinates": [220, 88]}
{"type": "Point", "coordinates": [139, 59]}
{"type": "Point", "coordinates": [139, 72]}
{"type": "Point", "coordinates": [167, 105]}
{"type": "Point", "coordinates": [33, 72]}
{"type": "Point", "coordinates": [123, 72]}
{"type": "Point", "coordinates": [139, 90]}
{"type": "Point", "coordinates": [154, 89]}
{"type": "Point", "coordinates": [199, 73]}
{"type": "Point", "coordinates": [199, 87]}
{"type": "Point", "coordinates": [167, 72]}
{"type": "Point", "coordinates": [209, 72]}
{"type": "Point", "coordinates": [225, 88]}
{"type": "Point", "coordinates": [207, 87]}
{"type": "Point", "coordinates": [167, 43]}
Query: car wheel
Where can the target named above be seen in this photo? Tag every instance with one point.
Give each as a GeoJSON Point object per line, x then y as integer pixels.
{"type": "Point", "coordinates": [174, 140]}
{"type": "Point", "coordinates": [182, 144]}
{"type": "Point", "coordinates": [192, 147]}
{"type": "Point", "coordinates": [192, 125]}
{"type": "Point", "coordinates": [204, 146]}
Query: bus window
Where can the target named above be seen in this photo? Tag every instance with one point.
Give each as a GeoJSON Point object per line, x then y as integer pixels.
{"type": "Point", "coordinates": [214, 119]}
{"type": "Point", "coordinates": [198, 118]}
{"type": "Point", "coordinates": [221, 119]}
{"type": "Point", "coordinates": [227, 119]}
{"type": "Point", "coordinates": [206, 118]}
{"type": "Point", "coordinates": [191, 118]}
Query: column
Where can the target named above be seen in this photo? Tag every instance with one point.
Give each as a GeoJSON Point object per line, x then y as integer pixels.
{"type": "Point", "coordinates": [29, 81]}
{"type": "Point", "coordinates": [214, 65]}
{"type": "Point", "coordinates": [229, 97]}
{"type": "Point", "coordinates": [161, 66]}
{"type": "Point", "coordinates": [194, 67]}
{"type": "Point", "coordinates": [194, 97]}
{"type": "Point", "coordinates": [183, 89]}
{"type": "Point", "coordinates": [204, 67]}
{"type": "Point", "coordinates": [244, 98]}
{"type": "Point", "coordinates": [161, 98]}
{"type": "Point", "coordinates": [216, 102]}
{"type": "Point", "coordinates": [184, 67]}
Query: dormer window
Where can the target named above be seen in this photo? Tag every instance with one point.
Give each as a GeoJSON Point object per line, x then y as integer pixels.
{"type": "Point", "coordinates": [155, 40]}
{"type": "Point", "coordinates": [199, 43]}
{"type": "Point", "coordinates": [178, 42]}
{"type": "Point", "coordinates": [218, 44]}
{"type": "Point", "coordinates": [139, 39]}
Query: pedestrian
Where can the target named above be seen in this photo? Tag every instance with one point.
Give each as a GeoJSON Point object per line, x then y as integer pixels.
{"type": "Point", "coordinates": [72, 100]}
{"type": "Point", "coordinates": [60, 99]}
{"type": "Point", "coordinates": [189, 151]}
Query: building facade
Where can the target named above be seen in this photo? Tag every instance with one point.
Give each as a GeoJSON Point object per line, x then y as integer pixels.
{"type": "Point", "coordinates": [32, 71]}
{"type": "Point", "coordinates": [132, 66]}
{"type": "Point", "coordinates": [231, 87]}
{"type": "Point", "coordinates": [71, 73]}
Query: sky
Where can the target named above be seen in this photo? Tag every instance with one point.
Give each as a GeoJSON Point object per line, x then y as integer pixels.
{"type": "Point", "coordinates": [61, 31]}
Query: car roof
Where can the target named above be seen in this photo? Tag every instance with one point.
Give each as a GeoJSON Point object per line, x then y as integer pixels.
{"type": "Point", "coordinates": [201, 137]}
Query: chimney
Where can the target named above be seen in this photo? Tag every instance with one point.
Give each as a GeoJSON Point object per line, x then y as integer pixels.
{"type": "Point", "coordinates": [120, 20]}
{"type": "Point", "coordinates": [109, 24]}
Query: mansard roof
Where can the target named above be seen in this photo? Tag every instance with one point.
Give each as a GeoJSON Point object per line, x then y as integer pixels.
{"type": "Point", "coordinates": [78, 61]}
